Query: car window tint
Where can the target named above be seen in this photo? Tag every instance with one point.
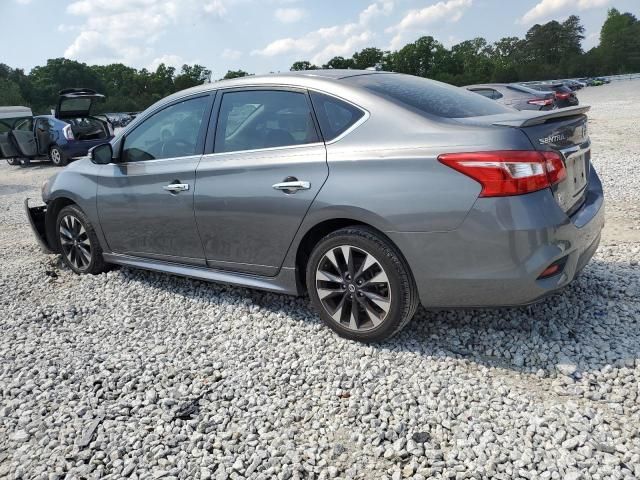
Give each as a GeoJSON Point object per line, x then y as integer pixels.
{"type": "Point", "coordinates": [4, 127]}
{"type": "Point", "coordinates": [334, 115]}
{"type": "Point", "coordinates": [427, 96]}
{"type": "Point", "coordinates": [251, 120]}
{"type": "Point", "coordinates": [485, 92]}
{"type": "Point", "coordinates": [25, 125]}
{"type": "Point", "coordinates": [172, 132]}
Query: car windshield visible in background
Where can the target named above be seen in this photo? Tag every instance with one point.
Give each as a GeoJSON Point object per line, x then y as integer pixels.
{"type": "Point", "coordinates": [428, 96]}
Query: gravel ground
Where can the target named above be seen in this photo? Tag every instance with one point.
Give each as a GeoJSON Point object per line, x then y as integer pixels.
{"type": "Point", "coordinates": [141, 375]}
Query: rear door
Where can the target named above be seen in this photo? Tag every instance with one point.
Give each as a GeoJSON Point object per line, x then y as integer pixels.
{"type": "Point", "coordinates": [7, 149]}
{"type": "Point", "coordinates": [25, 139]}
{"type": "Point", "coordinates": [264, 171]}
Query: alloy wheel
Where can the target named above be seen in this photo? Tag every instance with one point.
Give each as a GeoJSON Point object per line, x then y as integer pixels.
{"type": "Point", "coordinates": [353, 288]}
{"type": "Point", "coordinates": [55, 156]}
{"type": "Point", "coordinates": [75, 242]}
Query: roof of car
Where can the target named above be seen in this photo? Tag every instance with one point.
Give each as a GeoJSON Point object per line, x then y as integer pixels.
{"type": "Point", "coordinates": [15, 112]}
{"type": "Point", "coordinates": [487, 85]}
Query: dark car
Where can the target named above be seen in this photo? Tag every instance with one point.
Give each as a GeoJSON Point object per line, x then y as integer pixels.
{"type": "Point", "coordinates": [573, 85]}
{"type": "Point", "coordinates": [565, 97]}
{"type": "Point", "coordinates": [515, 95]}
{"type": "Point", "coordinates": [371, 191]}
{"type": "Point", "coordinates": [69, 133]}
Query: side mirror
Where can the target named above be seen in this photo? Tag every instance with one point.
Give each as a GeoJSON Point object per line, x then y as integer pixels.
{"type": "Point", "coordinates": [101, 154]}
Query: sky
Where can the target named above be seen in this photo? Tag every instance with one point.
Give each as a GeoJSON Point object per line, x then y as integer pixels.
{"type": "Point", "coordinates": [261, 36]}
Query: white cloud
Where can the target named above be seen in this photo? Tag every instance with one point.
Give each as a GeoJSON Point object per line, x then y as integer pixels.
{"type": "Point", "coordinates": [289, 15]}
{"type": "Point", "coordinates": [322, 44]}
{"type": "Point", "coordinates": [169, 60]}
{"type": "Point", "coordinates": [231, 54]}
{"type": "Point", "coordinates": [546, 8]}
{"type": "Point", "coordinates": [126, 30]}
{"type": "Point", "coordinates": [415, 20]}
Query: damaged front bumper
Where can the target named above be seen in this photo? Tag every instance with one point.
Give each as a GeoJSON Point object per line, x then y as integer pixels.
{"type": "Point", "coordinates": [36, 216]}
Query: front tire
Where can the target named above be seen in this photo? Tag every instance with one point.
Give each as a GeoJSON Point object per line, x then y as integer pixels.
{"type": "Point", "coordinates": [360, 285]}
{"type": "Point", "coordinates": [78, 242]}
{"type": "Point", "coordinates": [13, 161]}
{"type": "Point", "coordinates": [57, 156]}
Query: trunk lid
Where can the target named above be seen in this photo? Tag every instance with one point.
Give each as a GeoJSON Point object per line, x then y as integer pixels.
{"type": "Point", "coordinates": [563, 131]}
{"type": "Point", "coordinates": [76, 102]}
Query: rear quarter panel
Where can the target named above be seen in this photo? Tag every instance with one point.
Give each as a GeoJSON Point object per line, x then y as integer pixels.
{"type": "Point", "coordinates": [386, 173]}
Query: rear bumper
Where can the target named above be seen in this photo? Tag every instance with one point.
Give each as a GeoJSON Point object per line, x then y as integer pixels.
{"type": "Point", "coordinates": [496, 256]}
{"type": "Point", "coordinates": [36, 216]}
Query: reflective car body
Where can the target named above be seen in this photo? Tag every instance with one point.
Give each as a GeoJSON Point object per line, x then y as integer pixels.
{"type": "Point", "coordinates": [218, 211]}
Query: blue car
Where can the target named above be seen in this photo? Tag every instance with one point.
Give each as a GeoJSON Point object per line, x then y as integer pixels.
{"type": "Point", "coordinates": [69, 133]}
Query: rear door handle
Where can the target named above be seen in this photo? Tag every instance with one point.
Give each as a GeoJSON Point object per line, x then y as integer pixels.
{"type": "Point", "coordinates": [292, 186]}
{"type": "Point", "coordinates": [176, 187]}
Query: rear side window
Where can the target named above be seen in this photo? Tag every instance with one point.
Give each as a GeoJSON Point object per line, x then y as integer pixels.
{"type": "Point", "coordinates": [257, 119]}
{"type": "Point", "coordinates": [427, 96]}
{"type": "Point", "coordinates": [334, 116]}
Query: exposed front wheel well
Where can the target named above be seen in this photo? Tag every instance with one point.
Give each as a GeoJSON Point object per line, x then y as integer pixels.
{"type": "Point", "coordinates": [318, 232]}
{"type": "Point", "coordinates": [53, 208]}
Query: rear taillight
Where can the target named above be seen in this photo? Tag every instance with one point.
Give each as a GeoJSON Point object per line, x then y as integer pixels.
{"type": "Point", "coordinates": [540, 101]}
{"type": "Point", "coordinates": [508, 172]}
{"type": "Point", "coordinates": [68, 133]}
{"type": "Point", "coordinates": [562, 96]}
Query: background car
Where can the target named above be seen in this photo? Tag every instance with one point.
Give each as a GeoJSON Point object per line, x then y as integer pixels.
{"type": "Point", "coordinates": [9, 118]}
{"type": "Point", "coordinates": [371, 191]}
{"type": "Point", "coordinates": [515, 95]}
{"type": "Point", "coordinates": [564, 96]}
{"type": "Point", "coordinates": [70, 132]}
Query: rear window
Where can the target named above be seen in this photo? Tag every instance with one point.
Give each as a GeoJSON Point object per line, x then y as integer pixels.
{"type": "Point", "coordinates": [428, 96]}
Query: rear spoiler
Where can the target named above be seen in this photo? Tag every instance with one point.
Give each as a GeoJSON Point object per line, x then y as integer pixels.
{"type": "Point", "coordinates": [539, 118]}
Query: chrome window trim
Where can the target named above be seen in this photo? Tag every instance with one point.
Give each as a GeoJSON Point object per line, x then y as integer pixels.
{"type": "Point", "coordinates": [269, 149]}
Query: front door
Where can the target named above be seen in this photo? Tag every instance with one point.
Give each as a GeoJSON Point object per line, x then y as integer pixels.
{"type": "Point", "coordinates": [25, 138]}
{"type": "Point", "coordinates": [254, 190]}
{"type": "Point", "coordinates": [145, 201]}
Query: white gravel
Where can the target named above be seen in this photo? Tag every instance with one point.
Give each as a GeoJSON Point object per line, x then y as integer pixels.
{"type": "Point", "coordinates": [142, 375]}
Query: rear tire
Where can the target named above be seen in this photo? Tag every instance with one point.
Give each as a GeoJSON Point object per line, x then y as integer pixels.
{"type": "Point", "coordinates": [13, 161]}
{"type": "Point", "coordinates": [78, 242]}
{"type": "Point", "coordinates": [57, 156]}
{"type": "Point", "coordinates": [360, 285]}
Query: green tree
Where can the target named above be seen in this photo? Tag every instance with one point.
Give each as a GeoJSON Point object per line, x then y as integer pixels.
{"type": "Point", "coordinates": [190, 76]}
{"type": "Point", "coordinates": [235, 74]}
{"type": "Point", "coordinates": [10, 93]}
{"type": "Point", "coordinates": [620, 42]}
{"type": "Point", "coordinates": [340, 63]}
{"type": "Point", "coordinates": [367, 57]}
{"type": "Point", "coordinates": [303, 65]}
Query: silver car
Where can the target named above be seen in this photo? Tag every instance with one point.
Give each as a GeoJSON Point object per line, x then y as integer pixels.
{"type": "Point", "coordinates": [373, 192]}
{"type": "Point", "coordinates": [520, 97]}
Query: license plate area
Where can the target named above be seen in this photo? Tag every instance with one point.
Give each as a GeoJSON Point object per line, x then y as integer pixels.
{"type": "Point", "coordinates": [577, 173]}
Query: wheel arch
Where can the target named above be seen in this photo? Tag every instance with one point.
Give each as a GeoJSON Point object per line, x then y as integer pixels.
{"type": "Point", "coordinates": [53, 209]}
{"type": "Point", "coordinates": [323, 228]}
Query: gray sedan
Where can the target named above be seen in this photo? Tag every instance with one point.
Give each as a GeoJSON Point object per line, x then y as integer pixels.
{"type": "Point", "coordinates": [373, 192]}
{"type": "Point", "coordinates": [520, 97]}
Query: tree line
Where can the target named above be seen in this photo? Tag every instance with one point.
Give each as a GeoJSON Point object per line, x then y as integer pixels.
{"type": "Point", "coordinates": [550, 50]}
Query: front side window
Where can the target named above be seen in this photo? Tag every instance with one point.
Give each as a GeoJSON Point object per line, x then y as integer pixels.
{"type": "Point", "coordinates": [251, 120]}
{"type": "Point", "coordinates": [170, 133]}
{"type": "Point", "coordinates": [334, 116]}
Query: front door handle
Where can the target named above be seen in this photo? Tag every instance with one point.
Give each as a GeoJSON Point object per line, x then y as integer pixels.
{"type": "Point", "coordinates": [292, 186]}
{"type": "Point", "coordinates": [176, 187]}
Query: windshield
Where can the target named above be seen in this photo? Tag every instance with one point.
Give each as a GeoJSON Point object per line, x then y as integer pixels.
{"type": "Point", "coordinates": [428, 96]}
